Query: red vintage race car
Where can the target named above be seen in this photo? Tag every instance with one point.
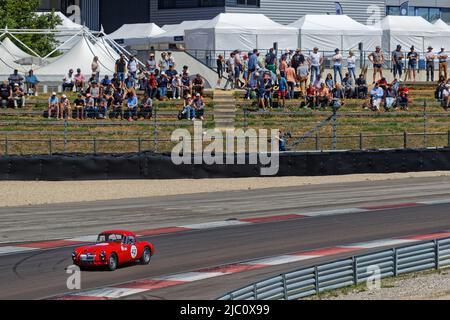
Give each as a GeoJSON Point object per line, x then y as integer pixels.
{"type": "Point", "coordinates": [113, 248]}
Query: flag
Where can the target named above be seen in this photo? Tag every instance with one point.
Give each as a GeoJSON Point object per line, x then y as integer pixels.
{"type": "Point", "coordinates": [339, 10]}
{"type": "Point", "coordinates": [404, 8]}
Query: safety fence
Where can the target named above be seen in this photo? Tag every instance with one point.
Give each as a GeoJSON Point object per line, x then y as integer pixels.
{"type": "Point", "coordinates": [433, 254]}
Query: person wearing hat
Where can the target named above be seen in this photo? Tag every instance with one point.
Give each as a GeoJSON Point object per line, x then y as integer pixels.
{"type": "Point", "coordinates": [18, 96]}
{"type": "Point", "coordinates": [442, 56]}
{"type": "Point", "coordinates": [377, 59]}
{"type": "Point", "coordinates": [413, 57]}
{"type": "Point", "coordinates": [53, 105]}
{"type": "Point", "coordinates": [297, 59]}
{"type": "Point", "coordinates": [32, 83]}
{"type": "Point", "coordinates": [199, 106]}
{"type": "Point", "coordinates": [65, 107]}
{"type": "Point", "coordinates": [90, 111]}
{"type": "Point", "coordinates": [429, 58]}
{"type": "Point", "coordinates": [151, 63]}
{"type": "Point", "coordinates": [315, 61]}
{"type": "Point", "coordinates": [397, 61]}
{"type": "Point", "coordinates": [337, 64]}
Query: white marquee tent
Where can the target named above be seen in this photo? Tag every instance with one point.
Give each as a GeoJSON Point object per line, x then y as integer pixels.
{"type": "Point", "coordinates": [442, 40]}
{"type": "Point", "coordinates": [80, 56]}
{"type": "Point", "coordinates": [230, 31]}
{"type": "Point", "coordinates": [175, 33]}
{"type": "Point", "coordinates": [328, 32]}
{"type": "Point", "coordinates": [406, 31]}
{"type": "Point", "coordinates": [136, 34]}
{"type": "Point", "coordinates": [14, 50]}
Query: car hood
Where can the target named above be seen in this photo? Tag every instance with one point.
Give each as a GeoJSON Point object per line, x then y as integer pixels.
{"type": "Point", "coordinates": [95, 249]}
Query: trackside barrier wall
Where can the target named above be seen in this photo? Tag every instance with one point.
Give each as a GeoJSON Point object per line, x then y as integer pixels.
{"type": "Point", "coordinates": [147, 165]}
{"type": "Point", "coordinates": [432, 254]}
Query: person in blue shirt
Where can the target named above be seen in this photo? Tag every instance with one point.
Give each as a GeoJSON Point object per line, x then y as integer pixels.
{"type": "Point", "coordinates": [252, 62]}
{"type": "Point", "coordinates": [31, 82]}
{"type": "Point", "coordinates": [105, 81]}
{"type": "Point", "coordinates": [376, 94]}
{"type": "Point", "coordinates": [53, 105]}
{"type": "Point", "coordinates": [163, 82]}
{"type": "Point", "coordinates": [132, 104]}
{"type": "Point", "coordinates": [390, 97]}
{"type": "Point", "coordinates": [282, 88]}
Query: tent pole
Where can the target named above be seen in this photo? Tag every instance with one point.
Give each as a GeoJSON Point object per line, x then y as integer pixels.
{"type": "Point", "coordinates": [56, 49]}
{"type": "Point", "coordinates": [120, 48]}
{"type": "Point", "coordinates": [31, 50]}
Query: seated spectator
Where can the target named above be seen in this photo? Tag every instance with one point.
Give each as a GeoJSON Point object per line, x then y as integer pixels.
{"type": "Point", "coordinates": [323, 96]}
{"type": "Point", "coordinates": [188, 111]}
{"type": "Point", "coordinates": [282, 88]}
{"type": "Point", "coordinates": [337, 96]}
{"type": "Point", "coordinates": [65, 107]}
{"type": "Point", "coordinates": [105, 81]}
{"type": "Point", "coordinates": [396, 84]}
{"type": "Point", "coordinates": [198, 84]}
{"type": "Point", "coordinates": [445, 103]}
{"type": "Point", "coordinates": [69, 81]}
{"type": "Point", "coordinates": [95, 91]}
{"type": "Point", "coordinates": [383, 84]}
{"type": "Point", "coordinates": [361, 87]}
{"type": "Point", "coordinates": [31, 82]}
{"type": "Point", "coordinates": [329, 82]}
{"type": "Point", "coordinates": [186, 83]}
{"type": "Point", "coordinates": [146, 107]}
{"type": "Point", "coordinates": [310, 99]}
{"type": "Point", "coordinates": [347, 84]}
{"type": "Point", "coordinates": [176, 87]}
{"type": "Point", "coordinates": [151, 64]}
{"type": "Point", "coordinates": [18, 96]}
{"type": "Point", "coordinates": [90, 108]}
{"type": "Point", "coordinates": [163, 82]}
{"type": "Point", "coordinates": [117, 106]}
{"type": "Point", "coordinates": [376, 97]}
{"type": "Point", "coordinates": [132, 106]}
{"type": "Point", "coordinates": [318, 82]}
{"type": "Point", "coordinates": [390, 98]}
{"type": "Point", "coordinates": [5, 94]}
{"type": "Point", "coordinates": [115, 81]}
{"type": "Point", "coordinates": [102, 108]}
{"type": "Point", "coordinates": [108, 94]}
{"type": "Point", "coordinates": [403, 97]}
{"type": "Point", "coordinates": [80, 80]}
{"type": "Point", "coordinates": [53, 105]}
{"type": "Point", "coordinates": [15, 78]}
{"type": "Point", "coordinates": [152, 86]}
{"type": "Point", "coordinates": [92, 79]}
{"type": "Point", "coordinates": [78, 103]}
{"type": "Point", "coordinates": [252, 86]}
{"type": "Point", "coordinates": [171, 73]}
{"type": "Point", "coordinates": [199, 106]}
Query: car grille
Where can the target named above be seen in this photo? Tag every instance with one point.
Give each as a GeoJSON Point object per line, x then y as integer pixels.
{"type": "Point", "coordinates": [87, 257]}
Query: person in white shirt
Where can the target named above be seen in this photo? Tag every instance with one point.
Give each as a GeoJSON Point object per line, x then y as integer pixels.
{"type": "Point", "coordinates": [429, 57]}
{"type": "Point", "coordinates": [133, 67]}
{"type": "Point", "coordinates": [176, 87]}
{"type": "Point", "coordinates": [315, 60]}
{"type": "Point", "coordinates": [337, 64]}
{"type": "Point", "coordinates": [95, 67]}
{"type": "Point", "coordinates": [351, 64]}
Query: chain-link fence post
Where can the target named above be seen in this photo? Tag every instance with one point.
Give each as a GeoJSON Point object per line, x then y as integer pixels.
{"type": "Point", "coordinates": [425, 125]}
{"type": "Point", "coordinates": [334, 147]}
{"type": "Point", "coordinates": [7, 144]}
{"type": "Point", "coordinates": [155, 130]}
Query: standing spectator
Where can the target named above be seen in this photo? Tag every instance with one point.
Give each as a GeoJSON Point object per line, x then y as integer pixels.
{"type": "Point", "coordinates": [315, 60]}
{"type": "Point", "coordinates": [220, 66]}
{"type": "Point", "coordinates": [283, 64]}
{"type": "Point", "coordinates": [413, 57]}
{"type": "Point", "coordinates": [79, 107]}
{"type": "Point", "coordinates": [95, 67]}
{"type": "Point", "coordinates": [95, 92]}
{"type": "Point", "coordinates": [176, 87]}
{"type": "Point", "coordinates": [32, 83]}
{"type": "Point", "coordinates": [397, 61]}
{"type": "Point", "coordinates": [198, 84]}
{"type": "Point", "coordinates": [245, 69]}
{"type": "Point", "coordinates": [162, 64]}
{"type": "Point", "coordinates": [291, 76]}
{"type": "Point", "coordinates": [252, 86]}
{"type": "Point", "coordinates": [297, 59]}
{"type": "Point", "coordinates": [351, 64]}
{"type": "Point", "coordinates": [170, 60]}
{"type": "Point", "coordinates": [133, 67]}
{"type": "Point", "coordinates": [53, 105]}
{"type": "Point", "coordinates": [80, 80]}
{"type": "Point", "coordinates": [231, 70]}
{"type": "Point", "coordinates": [238, 66]}
{"type": "Point", "coordinates": [429, 58]}
{"type": "Point", "coordinates": [337, 64]}
{"type": "Point", "coordinates": [65, 107]}
{"type": "Point", "coordinates": [15, 78]}
{"type": "Point", "coordinates": [252, 63]}
{"type": "Point", "coordinates": [282, 88]}
{"type": "Point", "coordinates": [151, 63]}
{"type": "Point", "coordinates": [121, 67]}
{"type": "Point", "coordinates": [132, 105]}
{"type": "Point", "coordinates": [377, 59]}
{"type": "Point", "coordinates": [271, 60]}
{"type": "Point", "coordinates": [302, 76]}
{"type": "Point", "coordinates": [442, 56]}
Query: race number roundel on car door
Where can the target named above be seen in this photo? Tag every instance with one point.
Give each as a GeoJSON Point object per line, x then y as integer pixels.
{"type": "Point", "coordinates": [133, 251]}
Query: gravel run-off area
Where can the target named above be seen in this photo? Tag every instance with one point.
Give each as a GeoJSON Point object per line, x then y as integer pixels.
{"type": "Point", "coordinates": [18, 193]}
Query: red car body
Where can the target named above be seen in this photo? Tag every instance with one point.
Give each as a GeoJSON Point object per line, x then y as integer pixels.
{"type": "Point", "coordinates": [113, 248]}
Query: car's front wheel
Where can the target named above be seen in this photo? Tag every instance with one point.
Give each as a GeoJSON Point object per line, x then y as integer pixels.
{"type": "Point", "coordinates": [146, 256]}
{"type": "Point", "coordinates": [112, 262]}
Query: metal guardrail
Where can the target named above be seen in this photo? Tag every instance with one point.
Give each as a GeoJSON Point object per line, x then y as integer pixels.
{"type": "Point", "coordinates": [432, 254]}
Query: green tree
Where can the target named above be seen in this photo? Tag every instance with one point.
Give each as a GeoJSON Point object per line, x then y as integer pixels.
{"type": "Point", "coordinates": [21, 15]}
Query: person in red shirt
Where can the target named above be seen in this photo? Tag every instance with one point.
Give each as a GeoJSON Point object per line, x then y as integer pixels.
{"type": "Point", "coordinates": [311, 93]}
{"type": "Point", "coordinates": [152, 86]}
{"type": "Point", "coordinates": [403, 100]}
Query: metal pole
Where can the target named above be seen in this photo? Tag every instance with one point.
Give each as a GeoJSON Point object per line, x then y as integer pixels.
{"type": "Point", "coordinates": [94, 141]}
{"type": "Point", "coordinates": [50, 147]}
{"type": "Point", "coordinates": [405, 140]}
{"type": "Point", "coordinates": [361, 141]}
{"type": "Point", "coordinates": [334, 129]}
{"type": "Point", "coordinates": [139, 145]}
{"type": "Point", "coordinates": [155, 130]}
{"type": "Point", "coordinates": [436, 253]}
{"type": "Point", "coordinates": [286, 296]}
{"type": "Point", "coordinates": [6, 144]}
{"type": "Point", "coordinates": [448, 138]}
{"type": "Point", "coordinates": [317, 141]}
{"type": "Point", "coordinates": [425, 125]}
{"type": "Point", "coordinates": [65, 133]}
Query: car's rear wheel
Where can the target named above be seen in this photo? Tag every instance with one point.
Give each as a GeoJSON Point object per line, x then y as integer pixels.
{"type": "Point", "coordinates": [112, 262]}
{"type": "Point", "coordinates": [146, 256]}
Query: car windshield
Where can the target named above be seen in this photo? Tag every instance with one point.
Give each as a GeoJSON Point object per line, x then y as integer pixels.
{"type": "Point", "coordinates": [109, 238]}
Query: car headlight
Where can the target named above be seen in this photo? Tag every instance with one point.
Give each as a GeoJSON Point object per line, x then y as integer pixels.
{"type": "Point", "coordinates": [74, 255]}
{"type": "Point", "coordinates": [102, 255]}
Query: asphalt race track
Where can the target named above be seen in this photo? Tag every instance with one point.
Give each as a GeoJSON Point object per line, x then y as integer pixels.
{"type": "Point", "coordinates": [41, 274]}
